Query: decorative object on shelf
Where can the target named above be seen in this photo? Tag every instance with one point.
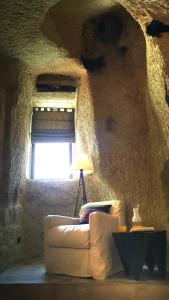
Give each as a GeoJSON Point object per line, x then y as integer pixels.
{"type": "Point", "coordinates": [136, 219]}
{"type": "Point", "coordinates": [142, 228]}
{"type": "Point", "coordinates": [81, 163]}
{"type": "Point", "coordinates": [122, 224]}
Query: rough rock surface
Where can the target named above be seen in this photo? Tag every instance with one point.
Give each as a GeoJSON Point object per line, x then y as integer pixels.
{"type": "Point", "coordinates": [122, 113]}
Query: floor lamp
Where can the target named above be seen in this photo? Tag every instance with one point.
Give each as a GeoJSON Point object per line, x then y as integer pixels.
{"type": "Point", "coordinates": [81, 163]}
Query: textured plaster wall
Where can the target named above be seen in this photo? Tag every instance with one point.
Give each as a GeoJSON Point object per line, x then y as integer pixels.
{"type": "Point", "coordinates": [43, 198]}
{"type": "Point", "coordinates": [157, 107]}
{"type": "Point", "coordinates": [158, 113]}
{"type": "Point", "coordinates": [15, 119]}
{"type": "Point", "coordinates": [120, 151]}
{"type": "Point", "coordinates": [122, 123]}
{"type": "Point", "coordinates": [2, 121]}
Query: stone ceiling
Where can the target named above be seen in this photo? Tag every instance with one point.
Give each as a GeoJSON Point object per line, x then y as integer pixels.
{"type": "Point", "coordinates": [47, 34]}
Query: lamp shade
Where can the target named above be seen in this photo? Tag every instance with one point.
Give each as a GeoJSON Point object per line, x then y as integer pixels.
{"type": "Point", "coordinates": [82, 162]}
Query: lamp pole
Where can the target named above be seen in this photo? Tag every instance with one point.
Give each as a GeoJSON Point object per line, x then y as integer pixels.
{"type": "Point", "coordinates": [81, 186]}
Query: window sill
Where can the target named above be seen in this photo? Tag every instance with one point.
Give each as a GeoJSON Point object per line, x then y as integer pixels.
{"type": "Point", "coordinates": [51, 180]}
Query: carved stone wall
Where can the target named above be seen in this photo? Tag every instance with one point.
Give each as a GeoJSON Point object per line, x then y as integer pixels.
{"type": "Point", "coordinates": [121, 122]}
{"type": "Point", "coordinates": [157, 105]}
{"type": "Point", "coordinates": [15, 120]}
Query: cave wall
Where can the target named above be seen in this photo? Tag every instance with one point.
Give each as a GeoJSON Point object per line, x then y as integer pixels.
{"type": "Point", "coordinates": [14, 119]}
{"type": "Point", "coordinates": [121, 123]}
{"type": "Point", "coordinates": [43, 198]}
{"type": "Point", "coordinates": [157, 104]}
{"type": "Point", "coordinates": [2, 125]}
{"type": "Point", "coordinates": [121, 153]}
{"type": "Point", "coordinates": [158, 113]}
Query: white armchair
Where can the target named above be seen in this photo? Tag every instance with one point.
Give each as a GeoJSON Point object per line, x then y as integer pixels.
{"type": "Point", "coordinates": [86, 250]}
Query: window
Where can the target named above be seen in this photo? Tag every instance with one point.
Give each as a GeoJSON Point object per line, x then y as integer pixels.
{"type": "Point", "coordinates": [52, 160]}
{"type": "Point", "coordinates": [52, 136]}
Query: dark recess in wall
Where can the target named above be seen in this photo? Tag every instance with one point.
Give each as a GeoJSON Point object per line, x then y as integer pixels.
{"type": "Point", "coordinates": [52, 88]}
{"type": "Point", "coordinates": [155, 28]}
{"type": "Point", "coordinates": [165, 178]}
{"type": "Point", "coordinates": [166, 95]}
{"type": "Point", "coordinates": [55, 83]}
{"type": "Point", "coordinates": [18, 240]}
{"type": "Point", "coordinates": [167, 99]}
{"type": "Point", "coordinates": [110, 124]}
{"type": "Point", "coordinates": [93, 64]}
{"type": "Point", "coordinates": [108, 28]}
{"type": "Point", "coordinates": [104, 29]}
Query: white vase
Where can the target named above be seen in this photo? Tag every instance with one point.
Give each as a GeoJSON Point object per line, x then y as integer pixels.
{"type": "Point", "coordinates": [136, 220]}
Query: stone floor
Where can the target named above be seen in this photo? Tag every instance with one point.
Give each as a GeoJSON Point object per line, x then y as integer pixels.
{"type": "Point", "coordinates": [28, 280]}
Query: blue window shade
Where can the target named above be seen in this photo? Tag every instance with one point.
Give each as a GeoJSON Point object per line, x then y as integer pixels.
{"type": "Point", "coordinates": [53, 125]}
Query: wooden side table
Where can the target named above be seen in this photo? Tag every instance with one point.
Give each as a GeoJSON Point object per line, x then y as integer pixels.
{"type": "Point", "coordinates": [139, 247]}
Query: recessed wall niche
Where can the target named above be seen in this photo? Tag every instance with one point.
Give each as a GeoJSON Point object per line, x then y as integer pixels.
{"type": "Point", "coordinates": [100, 33]}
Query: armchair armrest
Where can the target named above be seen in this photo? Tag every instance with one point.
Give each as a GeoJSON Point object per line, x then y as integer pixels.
{"type": "Point", "coordinates": [56, 220]}
{"type": "Point", "coordinates": [104, 256]}
{"type": "Point", "coordinates": [101, 226]}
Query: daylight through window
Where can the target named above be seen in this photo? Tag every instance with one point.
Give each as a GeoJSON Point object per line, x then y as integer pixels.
{"type": "Point", "coordinates": [52, 136]}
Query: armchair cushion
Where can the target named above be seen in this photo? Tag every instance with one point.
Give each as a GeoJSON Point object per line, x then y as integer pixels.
{"type": "Point", "coordinates": [69, 236]}
{"type": "Point", "coordinates": [116, 210]}
{"type": "Point", "coordinates": [89, 210]}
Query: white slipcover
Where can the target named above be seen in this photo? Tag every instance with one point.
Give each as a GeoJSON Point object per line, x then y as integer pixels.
{"type": "Point", "coordinates": [72, 236]}
{"type": "Point", "coordinates": [86, 250]}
